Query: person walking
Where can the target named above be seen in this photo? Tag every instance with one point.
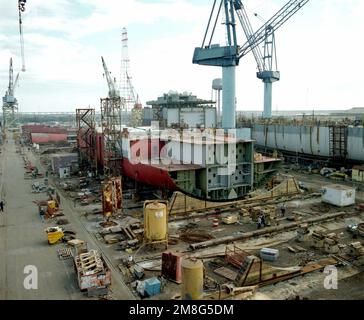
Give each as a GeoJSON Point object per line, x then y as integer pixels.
{"type": "Point", "coordinates": [41, 214]}
{"type": "Point", "coordinates": [263, 220]}
{"type": "Point", "coordinates": [259, 221]}
{"type": "Point", "coordinates": [1, 206]}
{"type": "Point", "coordinates": [283, 209]}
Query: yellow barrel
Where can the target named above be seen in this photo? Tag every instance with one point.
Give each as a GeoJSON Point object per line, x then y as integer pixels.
{"type": "Point", "coordinates": [192, 279]}
{"type": "Point", "coordinates": [155, 221]}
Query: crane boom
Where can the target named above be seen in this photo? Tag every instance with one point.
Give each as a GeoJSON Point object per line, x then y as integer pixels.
{"type": "Point", "coordinates": [21, 7]}
{"type": "Point", "coordinates": [228, 56]}
{"type": "Point", "coordinates": [286, 12]}
{"type": "Point", "coordinates": [16, 82]}
{"type": "Point", "coordinates": [248, 30]}
{"type": "Point", "coordinates": [113, 93]}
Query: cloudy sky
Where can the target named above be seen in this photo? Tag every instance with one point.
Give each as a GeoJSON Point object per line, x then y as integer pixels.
{"type": "Point", "coordinates": [319, 52]}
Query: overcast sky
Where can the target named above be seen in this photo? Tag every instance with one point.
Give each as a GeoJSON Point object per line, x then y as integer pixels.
{"type": "Point", "coordinates": [319, 52]}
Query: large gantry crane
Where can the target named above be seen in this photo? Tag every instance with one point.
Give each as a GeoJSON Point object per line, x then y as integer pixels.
{"type": "Point", "coordinates": [228, 56]}
{"type": "Point", "coordinates": [10, 103]}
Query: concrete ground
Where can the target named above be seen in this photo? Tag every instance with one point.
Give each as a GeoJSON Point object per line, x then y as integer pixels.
{"type": "Point", "coordinates": [316, 181]}
{"type": "Point", "coordinates": [23, 241]}
{"type": "Point", "coordinates": [350, 288]}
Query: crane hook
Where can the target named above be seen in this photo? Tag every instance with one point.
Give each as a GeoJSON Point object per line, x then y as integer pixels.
{"type": "Point", "coordinates": [21, 4]}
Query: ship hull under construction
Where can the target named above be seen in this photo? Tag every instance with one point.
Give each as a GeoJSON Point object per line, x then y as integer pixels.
{"type": "Point", "coordinates": [318, 142]}
{"type": "Point", "coordinates": [195, 168]}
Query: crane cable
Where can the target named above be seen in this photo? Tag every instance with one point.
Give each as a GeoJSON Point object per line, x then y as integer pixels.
{"type": "Point", "coordinates": [21, 7]}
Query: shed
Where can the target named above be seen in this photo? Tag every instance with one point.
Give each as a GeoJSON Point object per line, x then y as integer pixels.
{"type": "Point", "coordinates": [339, 195]}
{"type": "Point", "coordinates": [64, 160]}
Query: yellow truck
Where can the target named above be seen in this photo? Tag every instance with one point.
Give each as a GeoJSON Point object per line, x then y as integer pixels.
{"type": "Point", "coordinates": [54, 234]}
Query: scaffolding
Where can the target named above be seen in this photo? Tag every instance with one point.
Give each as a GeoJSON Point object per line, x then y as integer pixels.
{"type": "Point", "coordinates": [86, 139]}
{"type": "Point", "coordinates": [10, 114]}
{"type": "Point", "coordinates": [111, 129]}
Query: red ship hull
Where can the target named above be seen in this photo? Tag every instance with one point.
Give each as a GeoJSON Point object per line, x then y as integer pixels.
{"type": "Point", "coordinates": [149, 174]}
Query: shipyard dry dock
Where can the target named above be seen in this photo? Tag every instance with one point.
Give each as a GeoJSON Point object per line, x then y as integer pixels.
{"type": "Point", "coordinates": [211, 245]}
{"type": "Point", "coordinates": [182, 199]}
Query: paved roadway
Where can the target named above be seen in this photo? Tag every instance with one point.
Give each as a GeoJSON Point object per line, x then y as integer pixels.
{"type": "Point", "coordinates": [23, 241]}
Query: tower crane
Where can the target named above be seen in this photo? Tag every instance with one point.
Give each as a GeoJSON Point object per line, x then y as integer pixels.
{"type": "Point", "coordinates": [113, 92]}
{"type": "Point", "coordinates": [10, 103]}
{"type": "Point", "coordinates": [228, 56]}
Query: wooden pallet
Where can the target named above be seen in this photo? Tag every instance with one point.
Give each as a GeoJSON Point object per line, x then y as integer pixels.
{"type": "Point", "coordinates": [89, 263]}
{"type": "Point", "coordinates": [226, 273]}
{"type": "Point", "coordinates": [129, 233]}
{"type": "Point", "coordinates": [65, 253]}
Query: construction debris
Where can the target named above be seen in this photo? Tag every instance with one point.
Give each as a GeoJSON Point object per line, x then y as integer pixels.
{"type": "Point", "coordinates": [268, 230]}
{"type": "Point", "coordinates": [195, 236]}
{"type": "Point", "coordinates": [231, 219]}
{"type": "Point", "coordinates": [62, 222]}
{"type": "Point", "coordinates": [112, 238]}
{"type": "Point", "coordinates": [76, 242]}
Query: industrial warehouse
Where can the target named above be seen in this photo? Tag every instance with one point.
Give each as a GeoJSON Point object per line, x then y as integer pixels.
{"type": "Point", "coordinates": [182, 197]}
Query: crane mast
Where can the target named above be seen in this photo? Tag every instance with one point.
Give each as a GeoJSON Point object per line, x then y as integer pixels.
{"type": "Point", "coordinates": [10, 103]}
{"type": "Point", "coordinates": [11, 79]}
{"type": "Point", "coordinates": [228, 56]}
{"type": "Point", "coordinates": [266, 62]}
